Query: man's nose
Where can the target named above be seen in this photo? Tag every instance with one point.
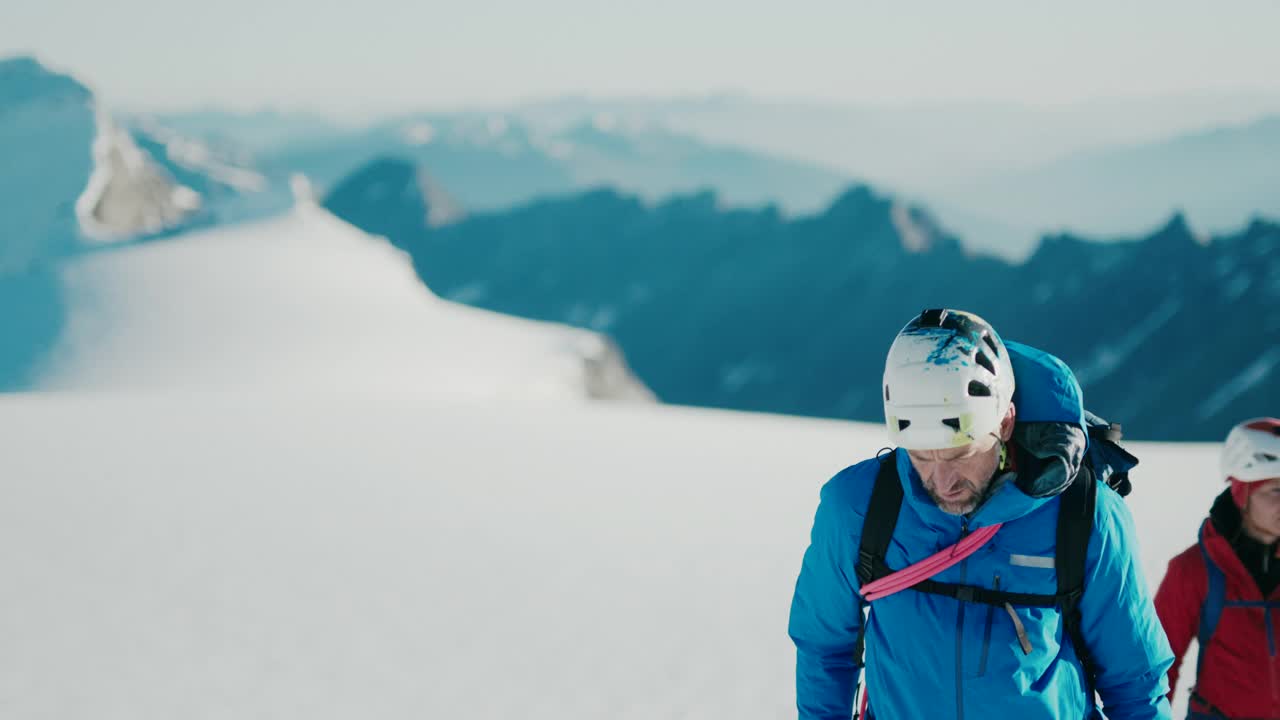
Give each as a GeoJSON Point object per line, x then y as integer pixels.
{"type": "Point", "coordinates": [947, 475]}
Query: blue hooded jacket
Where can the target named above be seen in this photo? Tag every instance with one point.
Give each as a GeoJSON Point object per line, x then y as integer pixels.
{"type": "Point", "coordinates": [930, 656]}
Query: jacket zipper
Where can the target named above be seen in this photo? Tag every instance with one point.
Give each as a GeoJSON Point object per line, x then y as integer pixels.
{"type": "Point", "coordinates": [964, 530]}
{"type": "Point", "coordinates": [986, 636]}
{"type": "Point", "coordinates": [1271, 647]}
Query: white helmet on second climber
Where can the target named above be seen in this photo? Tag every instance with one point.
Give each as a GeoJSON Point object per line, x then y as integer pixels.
{"type": "Point", "coordinates": [1250, 455]}
{"type": "Point", "coordinates": [948, 381]}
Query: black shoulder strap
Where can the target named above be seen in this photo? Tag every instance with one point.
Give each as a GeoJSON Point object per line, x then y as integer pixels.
{"type": "Point", "coordinates": [881, 519]}
{"type": "Point", "coordinates": [877, 533]}
{"type": "Point", "coordinates": [1075, 526]}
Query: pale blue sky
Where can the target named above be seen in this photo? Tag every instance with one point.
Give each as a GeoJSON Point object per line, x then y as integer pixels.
{"type": "Point", "coordinates": [381, 55]}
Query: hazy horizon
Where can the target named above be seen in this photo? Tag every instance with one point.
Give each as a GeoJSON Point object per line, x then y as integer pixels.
{"type": "Point", "coordinates": [385, 56]}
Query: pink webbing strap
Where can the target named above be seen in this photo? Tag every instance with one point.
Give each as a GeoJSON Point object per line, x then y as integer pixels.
{"type": "Point", "coordinates": [927, 568]}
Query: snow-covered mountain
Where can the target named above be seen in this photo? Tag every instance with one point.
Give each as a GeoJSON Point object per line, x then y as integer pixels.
{"type": "Point", "coordinates": [300, 302]}
{"type": "Point", "coordinates": [129, 194]}
{"type": "Point", "coordinates": [70, 179]}
{"type": "Point", "coordinates": [70, 174]}
{"type": "Point", "coordinates": [74, 175]}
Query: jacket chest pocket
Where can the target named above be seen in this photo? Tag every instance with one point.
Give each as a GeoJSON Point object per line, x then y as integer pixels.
{"type": "Point", "coordinates": [1016, 640]}
{"type": "Point", "coordinates": [1022, 568]}
{"type": "Point", "coordinates": [1014, 637]}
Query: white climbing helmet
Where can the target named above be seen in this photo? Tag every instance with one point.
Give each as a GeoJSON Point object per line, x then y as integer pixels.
{"type": "Point", "coordinates": [1252, 451]}
{"type": "Point", "coordinates": [947, 381]}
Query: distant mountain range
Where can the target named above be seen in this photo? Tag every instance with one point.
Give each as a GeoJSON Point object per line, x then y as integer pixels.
{"type": "Point", "coordinates": [917, 146]}
{"type": "Point", "coordinates": [999, 175]}
{"type": "Point", "coordinates": [493, 161]}
{"type": "Point", "coordinates": [747, 309]}
{"type": "Point", "coordinates": [1215, 177]}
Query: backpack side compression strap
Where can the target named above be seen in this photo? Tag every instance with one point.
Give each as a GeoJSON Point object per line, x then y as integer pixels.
{"type": "Point", "coordinates": [1075, 526]}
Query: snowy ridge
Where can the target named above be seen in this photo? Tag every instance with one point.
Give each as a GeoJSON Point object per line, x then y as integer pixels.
{"type": "Point", "coordinates": [305, 302]}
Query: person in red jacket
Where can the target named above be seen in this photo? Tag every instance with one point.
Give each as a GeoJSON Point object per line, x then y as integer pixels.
{"type": "Point", "coordinates": [1225, 590]}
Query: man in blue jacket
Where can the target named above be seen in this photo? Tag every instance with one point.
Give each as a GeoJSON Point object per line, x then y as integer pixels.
{"type": "Point", "coordinates": [974, 641]}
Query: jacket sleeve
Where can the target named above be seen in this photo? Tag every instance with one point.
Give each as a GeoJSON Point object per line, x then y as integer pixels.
{"type": "Point", "coordinates": [826, 611]}
{"type": "Point", "coordinates": [1119, 622]}
{"type": "Point", "coordinates": [1178, 604]}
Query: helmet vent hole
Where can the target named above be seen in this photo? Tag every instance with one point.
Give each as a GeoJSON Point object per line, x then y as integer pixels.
{"type": "Point", "coordinates": [903, 425]}
{"type": "Point", "coordinates": [978, 389]}
{"type": "Point", "coordinates": [991, 343]}
{"type": "Point", "coordinates": [982, 359]}
{"type": "Point", "coordinates": [953, 423]}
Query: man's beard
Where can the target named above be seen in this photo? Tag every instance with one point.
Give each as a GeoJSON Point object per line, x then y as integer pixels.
{"type": "Point", "coordinates": [977, 496]}
{"type": "Point", "coordinates": [953, 508]}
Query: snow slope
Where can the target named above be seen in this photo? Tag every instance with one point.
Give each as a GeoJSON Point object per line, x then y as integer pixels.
{"type": "Point", "coordinates": [333, 556]}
